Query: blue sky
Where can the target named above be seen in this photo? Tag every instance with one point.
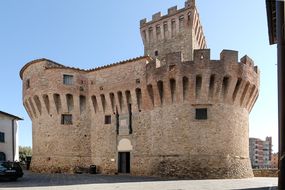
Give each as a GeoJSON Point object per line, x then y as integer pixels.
{"type": "Point", "coordinates": [89, 33]}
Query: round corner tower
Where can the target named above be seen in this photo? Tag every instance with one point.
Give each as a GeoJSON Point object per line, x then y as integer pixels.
{"type": "Point", "coordinates": [173, 112]}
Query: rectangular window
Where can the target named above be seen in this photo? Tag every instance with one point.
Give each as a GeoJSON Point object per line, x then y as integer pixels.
{"type": "Point", "coordinates": [2, 137]}
{"type": "Point", "coordinates": [201, 114]}
{"type": "Point", "coordinates": [68, 79]}
{"type": "Point", "coordinates": [107, 119]}
{"type": "Point", "coordinates": [66, 119]}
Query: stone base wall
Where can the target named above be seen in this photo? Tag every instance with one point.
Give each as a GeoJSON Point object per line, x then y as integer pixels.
{"type": "Point", "coordinates": [265, 172]}
{"type": "Point", "coordinates": [59, 164]}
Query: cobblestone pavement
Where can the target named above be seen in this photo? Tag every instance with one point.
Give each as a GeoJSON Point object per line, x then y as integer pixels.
{"type": "Point", "coordinates": [123, 182]}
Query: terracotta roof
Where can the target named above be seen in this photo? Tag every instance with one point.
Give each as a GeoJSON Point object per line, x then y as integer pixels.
{"type": "Point", "coordinates": [10, 115]}
{"type": "Point", "coordinates": [60, 66]}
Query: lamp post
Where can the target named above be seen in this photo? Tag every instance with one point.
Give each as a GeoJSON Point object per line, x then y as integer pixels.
{"type": "Point", "coordinates": [276, 30]}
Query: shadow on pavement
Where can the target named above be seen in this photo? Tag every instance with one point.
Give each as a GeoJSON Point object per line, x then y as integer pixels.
{"type": "Point", "coordinates": [40, 180]}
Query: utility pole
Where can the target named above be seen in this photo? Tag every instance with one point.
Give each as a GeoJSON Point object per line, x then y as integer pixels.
{"type": "Point", "coordinates": [276, 29]}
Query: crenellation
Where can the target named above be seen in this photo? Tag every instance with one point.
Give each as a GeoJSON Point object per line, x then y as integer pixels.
{"type": "Point", "coordinates": [202, 55]}
{"type": "Point", "coordinates": [156, 16]}
{"type": "Point", "coordinates": [229, 56]}
{"type": "Point", "coordinates": [172, 10]}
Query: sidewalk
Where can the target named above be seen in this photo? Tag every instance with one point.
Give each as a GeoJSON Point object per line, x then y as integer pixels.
{"type": "Point", "coordinates": [95, 182]}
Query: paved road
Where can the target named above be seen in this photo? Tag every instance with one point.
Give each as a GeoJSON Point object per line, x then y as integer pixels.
{"type": "Point", "coordinates": [34, 181]}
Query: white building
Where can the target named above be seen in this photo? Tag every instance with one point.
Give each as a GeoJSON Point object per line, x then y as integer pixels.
{"type": "Point", "coordinates": [9, 147]}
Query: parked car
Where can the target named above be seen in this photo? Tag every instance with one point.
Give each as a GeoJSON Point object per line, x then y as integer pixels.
{"type": "Point", "coordinates": [10, 170]}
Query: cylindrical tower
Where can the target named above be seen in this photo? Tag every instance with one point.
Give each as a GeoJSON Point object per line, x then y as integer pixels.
{"type": "Point", "coordinates": [55, 99]}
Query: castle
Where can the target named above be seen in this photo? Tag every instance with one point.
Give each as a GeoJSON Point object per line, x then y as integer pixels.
{"type": "Point", "coordinates": [173, 112]}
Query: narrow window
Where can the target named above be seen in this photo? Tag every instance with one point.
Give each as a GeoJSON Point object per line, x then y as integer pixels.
{"type": "Point", "coordinates": [158, 32]}
{"type": "Point", "coordinates": [181, 23]}
{"type": "Point", "coordinates": [128, 97]}
{"type": "Point", "coordinates": [201, 114]}
{"type": "Point", "coordinates": [211, 86]}
{"type": "Point", "coordinates": [172, 89]}
{"type": "Point", "coordinates": [2, 137]}
{"type": "Point", "coordinates": [108, 119]}
{"type": "Point", "coordinates": [95, 103]}
{"type": "Point", "coordinates": [150, 31]}
{"type": "Point", "coordinates": [150, 93]}
{"type": "Point", "coordinates": [68, 79]}
{"type": "Point", "coordinates": [69, 101]}
{"type": "Point", "coordinates": [173, 28]}
{"type": "Point", "coordinates": [57, 102]}
{"type": "Point", "coordinates": [112, 100]}
{"type": "Point", "coordinates": [66, 119]}
{"type": "Point", "coordinates": [27, 83]}
{"type": "Point", "coordinates": [82, 101]}
{"type": "Point", "coordinates": [38, 104]}
{"type": "Point", "coordinates": [160, 91]}
{"type": "Point", "coordinates": [156, 53]}
{"type": "Point", "coordinates": [198, 85]}
{"type": "Point", "coordinates": [244, 93]}
{"type": "Point", "coordinates": [236, 89]}
{"type": "Point", "coordinates": [165, 29]}
{"type": "Point", "coordinates": [139, 98]}
{"type": "Point", "coordinates": [225, 86]}
{"type": "Point", "coordinates": [120, 97]}
{"type": "Point", "coordinates": [144, 35]}
{"type": "Point", "coordinates": [103, 101]}
{"type": "Point", "coordinates": [46, 101]}
{"type": "Point", "coordinates": [185, 82]}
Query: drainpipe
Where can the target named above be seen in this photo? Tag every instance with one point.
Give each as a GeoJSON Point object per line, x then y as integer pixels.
{"type": "Point", "coordinates": [13, 140]}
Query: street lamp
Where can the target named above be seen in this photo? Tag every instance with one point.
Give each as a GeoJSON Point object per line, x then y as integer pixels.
{"type": "Point", "coordinates": [276, 31]}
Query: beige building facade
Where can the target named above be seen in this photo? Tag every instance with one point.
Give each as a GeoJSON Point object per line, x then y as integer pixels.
{"type": "Point", "coordinates": [172, 112]}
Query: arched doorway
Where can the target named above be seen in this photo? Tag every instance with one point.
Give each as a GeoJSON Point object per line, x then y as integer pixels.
{"type": "Point", "coordinates": [124, 155]}
{"type": "Point", "coordinates": [2, 156]}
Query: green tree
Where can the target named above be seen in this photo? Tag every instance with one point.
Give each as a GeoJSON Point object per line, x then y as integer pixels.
{"type": "Point", "coordinates": [24, 151]}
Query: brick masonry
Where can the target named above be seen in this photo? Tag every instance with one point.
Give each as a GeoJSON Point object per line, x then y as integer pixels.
{"type": "Point", "coordinates": [152, 102]}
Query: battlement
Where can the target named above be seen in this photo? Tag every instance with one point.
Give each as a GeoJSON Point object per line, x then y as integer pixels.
{"type": "Point", "coordinates": [179, 30]}
{"type": "Point", "coordinates": [171, 11]}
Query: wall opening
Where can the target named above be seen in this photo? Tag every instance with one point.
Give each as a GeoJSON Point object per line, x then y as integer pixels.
{"type": "Point", "coordinates": [150, 34]}
{"type": "Point", "coordinates": [46, 101]}
{"type": "Point", "coordinates": [124, 162]}
{"type": "Point", "coordinates": [165, 29]}
{"type": "Point", "coordinates": [173, 28]}
{"type": "Point", "coordinates": [244, 93]}
{"type": "Point", "coordinates": [108, 119]}
{"type": "Point", "coordinates": [103, 102]}
{"type": "Point", "coordinates": [225, 86]}
{"type": "Point", "coordinates": [201, 114]}
{"type": "Point", "coordinates": [95, 103]}
{"type": "Point", "coordinates": [2, 156]}
{"type": "Point", "coordinates": [69, 101]}
{"type": "Point", "coordinates": [121, 102]}
{"type": "Point", "coordinates": [185, 85]}
{"type": "Point", "coordinates": [172, 83]}
{"type": "Point", "coordinates": [66, 119]}
{"type": "Point", "coordinates": [181, 23]}
{"type": "Point", "coordinates": [160, 91]}
{"type": "Point", "coordinates": [139, 98]}
{"type": "Point", "coordinates": [198, 85]}
{"type": "Point", "coordinates": [112, 100]}
{"type": "Point", "coordinates": [212, 86]}
{"type": "Point", "coordinates": [68, 79]}
{"type": "Point", "coordinates": [38, 104]}
{"type": "Point", "coordinates": [57, 102]}
{"type": "Point", "coordinates": [128, 97]}
{"type": "Point", "coordinates": [150, 93]}
{"type": "Point", "coordinates": [250, 95]}
{"type": "Point", "coordinates": [33, 107]}
{"type": "Point", "coordinates": [82, 101]}
{"type": "Point", "coordinates": [238, 84]}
